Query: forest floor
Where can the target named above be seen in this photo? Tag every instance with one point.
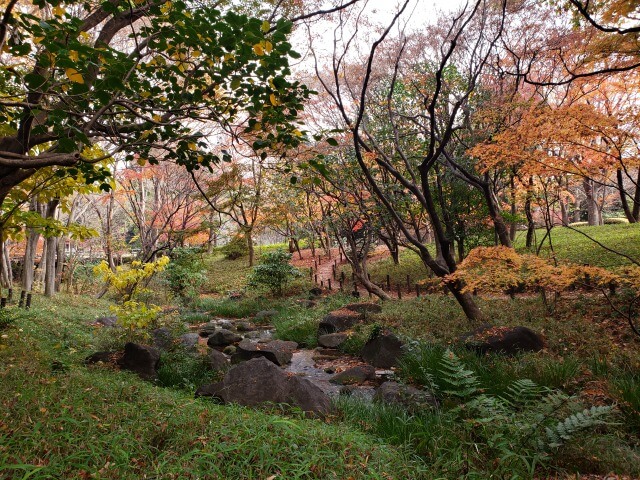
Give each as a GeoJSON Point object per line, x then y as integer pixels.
{"type": "Point", "coordinates": [62, 419]}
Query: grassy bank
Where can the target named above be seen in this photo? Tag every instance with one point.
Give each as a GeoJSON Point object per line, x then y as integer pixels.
{"type": "Point", "coordinates": [60, 419]}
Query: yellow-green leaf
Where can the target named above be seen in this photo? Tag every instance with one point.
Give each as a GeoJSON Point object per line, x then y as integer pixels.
{"type": "Point", "coordinates": [74, 75]}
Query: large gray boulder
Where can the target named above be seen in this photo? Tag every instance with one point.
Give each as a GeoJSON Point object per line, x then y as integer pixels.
{"type": "Point", "coordinates": [505, 340]}
{"type": "Point", "coordinates": [140, 359]}
{"type": "Point", "coordinates": [263, 315]}
{"type": "Point", "coordinates": [382, 351]}
{"type": "Point", "coordinates": [339, 321]}
{"type": "Point", "coordinates": [218, 361]}
{"type": "Point", "coordinates": [207, 329]}
{"type": "Point", "coordinates": [162, 338]}
{"type": "Point", "coordinates": [222, 338]}
{"type": "Point", "coordinates": [279, 352]}
{"type": "Point", "coordinates": [260, 381]}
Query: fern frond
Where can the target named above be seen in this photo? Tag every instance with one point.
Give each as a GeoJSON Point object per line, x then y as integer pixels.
{"type": "Point", "coordinates": [462, 383]}
{"type": "Point", "coordinates": [489, 408]}
{"type": "Point", "coordinates": [522, 392]}
{"type": "Point", "coordinates": [558, 434]}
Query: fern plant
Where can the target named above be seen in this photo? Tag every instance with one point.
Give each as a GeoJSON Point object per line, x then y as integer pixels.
{"type": "Point", "coordinates": [523, 426]}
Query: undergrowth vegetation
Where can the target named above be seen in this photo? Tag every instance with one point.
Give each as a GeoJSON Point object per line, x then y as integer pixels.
{"type": "Point", "coordinates": [574, 407]}
{"type": "Point", "coordinates": [61, 419]}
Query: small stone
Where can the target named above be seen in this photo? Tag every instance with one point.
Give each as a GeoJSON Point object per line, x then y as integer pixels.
{"type": "Point", "coordinates": [505, 340]}
{"type": "Point", "coordinates": [189, 340]}
{"type": "Point", "coordinates": [207, 329]}
{"type": "Point", "coordinates": [222, 338]}
{"type": "Point", "coordinates": [307, 303]}
{"type": "Point", "coordinates": [266, 314]}
{"type": "Point", "coordinates": [332, 340]}
{"type": "Point", "coordinates": [355, 375]}
{"type": "Point", "coordinates": [409, 397]}
{"type": "Point", "coordinates": [383, 351]}
{"type": "Point", "coordinates": [279, 352]}
{"type": "Point", "coordinates": [226, 324]}
{"type": "Point", "coordinates": [244, 327]}
{"type": "Point", "coordinates": [106, 321]}
{"type": "Point", "coordinates": [162, 338]}
{"type": "Point", "coordinates": [229, 349]}
{"type": "Point", "coordinates": [140, 359]}
{"type": "Point", "coordinates": [101, 357]}
{"type": "Point", "coordinates": [315, 292]}
{"type": "Point", "coordinates": [218, 360]}
{"type": "Point", "coordinates": [339, 321]}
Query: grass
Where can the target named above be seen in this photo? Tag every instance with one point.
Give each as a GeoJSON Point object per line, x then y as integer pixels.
{"type": "Point", "coordinates": [572, 246]}
{"type": "Point", "coordinates": [225, 275]}
{"type": "Point", "coordinates": [77, 422]}
{"type": "Point", "coordinates": [569, 246]}
{"type": "Point", "coordinates": [409, 264]}
{"type": "Point", "coordinates": [60, 419]}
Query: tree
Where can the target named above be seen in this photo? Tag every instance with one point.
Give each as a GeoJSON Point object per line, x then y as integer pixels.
{"type": "Point", "coordinates": [422, 139]}
{"type": "Point", "coordinates": [85, 73]}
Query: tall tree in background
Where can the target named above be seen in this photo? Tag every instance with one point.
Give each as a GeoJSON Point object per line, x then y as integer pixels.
{"type": "Point", "coordinates": [455, 63]}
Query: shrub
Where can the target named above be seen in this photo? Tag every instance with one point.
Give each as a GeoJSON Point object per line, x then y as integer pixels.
{"type": "Point", "coordinates": [185, 272]}
{"type": "Point", "coordinates": [274, 272]}
{"type": "Point", "coordinates": [236, 248]}
{"type": "Point", "coordinates": [129, 284]}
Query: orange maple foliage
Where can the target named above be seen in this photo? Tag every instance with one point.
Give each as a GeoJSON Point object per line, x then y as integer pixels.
{"type": "Point", "coordinates": [503, 270]}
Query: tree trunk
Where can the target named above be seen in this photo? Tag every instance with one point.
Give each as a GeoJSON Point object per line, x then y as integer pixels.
{"type": "Point", "coordinates": [512, 227]}
{"type": "Point", "coordinates": [6, 274]}
{"type": "Point", "coordinates": [564, 211]}
{"type": "Point", "coordinates": [30, 250]}
{"type": "Point", "coordinates": [50, 270]}
{"type": "Point", "coordinates": [252, 254]}
{"type": "Point", "coordinates": [469, 306]}
{"type": "Point", "coordinates": [623, 198]}
{"type": "Point", "coordinates": [502, 231]}
{"type": "Point", "coordinates": [392, 246]}
{"type": "Point", "coordinates": [60, 254]}
{"type": "Point", "coordinates": [28, 263]}
{"type": "Point", "coordinates": [296, 243]}
{"type": "Point", "coordinates": [593, 212]}
{"type": "Point", "coordinates": [635, 211]}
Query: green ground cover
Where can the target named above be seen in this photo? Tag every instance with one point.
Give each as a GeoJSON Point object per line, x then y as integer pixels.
{"type": "Point", "coordinates": [61, 419]}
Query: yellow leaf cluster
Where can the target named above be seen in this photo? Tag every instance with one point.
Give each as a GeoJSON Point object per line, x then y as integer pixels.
{"type": "Point", "coordinates": [503, 270]}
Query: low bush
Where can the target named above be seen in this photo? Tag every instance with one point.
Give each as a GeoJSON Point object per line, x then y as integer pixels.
{"type": "Point", "coordinates": [274, 272]}
{"type": "Point", "coordinates": [236, 248]}
{"type": "Point", "coordinates": [185, 273]}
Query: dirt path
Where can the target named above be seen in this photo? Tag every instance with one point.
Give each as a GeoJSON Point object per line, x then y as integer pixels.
{"type": "Point", "coordinates": [323, 270]}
